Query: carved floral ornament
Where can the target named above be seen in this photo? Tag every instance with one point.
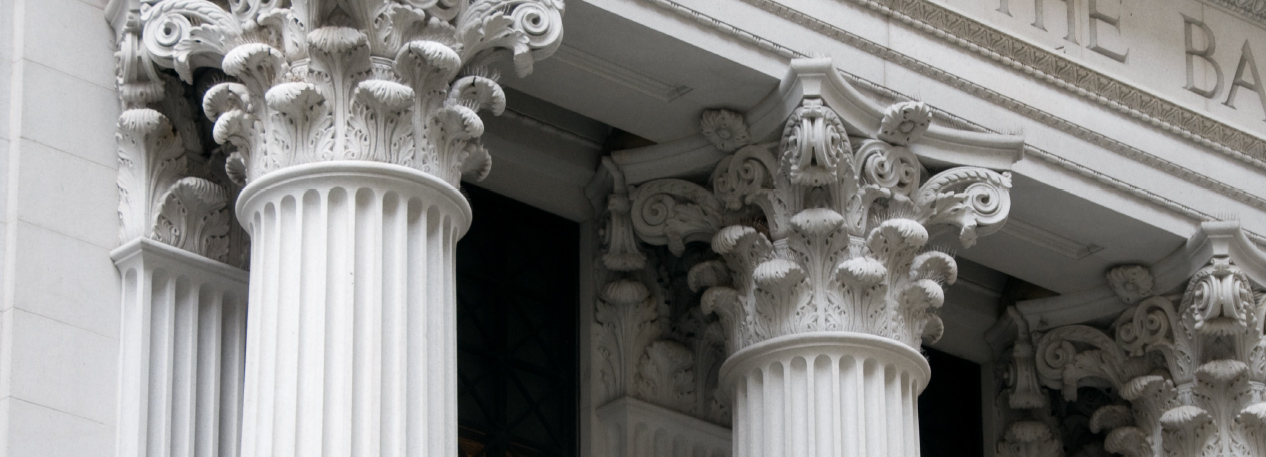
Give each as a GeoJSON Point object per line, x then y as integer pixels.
{"type": "Point", "coordinates": [821, 231]}
{"type": "Point", "coordinates": [1193, 372]}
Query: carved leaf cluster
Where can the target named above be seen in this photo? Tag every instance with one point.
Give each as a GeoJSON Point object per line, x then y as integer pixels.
{"type": "Point", "coordinates": [1193, 372]}
{"type": "Point", "coordinates": [653, 342]}
{"type": "Point", "coordinates": [395, 81]}
{"type": "Point", "coordinates": [158, 199]}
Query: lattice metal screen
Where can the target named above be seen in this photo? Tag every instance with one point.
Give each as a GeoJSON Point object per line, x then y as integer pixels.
{"type": "Point", "coordinates": [517, 308]}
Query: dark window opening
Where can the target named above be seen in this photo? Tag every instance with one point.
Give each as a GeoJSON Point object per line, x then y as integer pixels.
{"type": "Point", "coordinates": [517, 309]}
{"type": "Point", "coordinates": [950, 418]}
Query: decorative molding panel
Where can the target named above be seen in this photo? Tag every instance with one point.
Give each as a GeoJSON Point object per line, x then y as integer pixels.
{"type": "Point", "coordinates": [615, 73]}
{"type": "Point", "coordinates": [1249, 10]}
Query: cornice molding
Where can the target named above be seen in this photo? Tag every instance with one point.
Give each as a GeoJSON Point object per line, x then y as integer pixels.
{"type": "Point", "coordinates": [1000, 99]}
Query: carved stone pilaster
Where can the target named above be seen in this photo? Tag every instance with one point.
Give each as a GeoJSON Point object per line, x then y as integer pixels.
{"type": "Point", "coordinates": [820, 271]}
{"type": "Point", "coordinates": [651, 342]}
{"type": "Point", "coordinates": [1191, 366]}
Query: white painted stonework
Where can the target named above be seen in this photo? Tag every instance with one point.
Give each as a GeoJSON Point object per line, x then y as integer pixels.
{"type": "Point", "coordinates": [229, 227]}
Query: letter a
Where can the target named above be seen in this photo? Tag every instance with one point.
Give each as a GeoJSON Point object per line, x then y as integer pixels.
{"type": "Point", "coordinates": [1246, 61]}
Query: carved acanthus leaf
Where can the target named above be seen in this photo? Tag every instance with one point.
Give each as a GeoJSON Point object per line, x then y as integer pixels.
{"type": "Point", "coordinates": [194, 216]}
{"type": "Point", "coordinates": [157, 197]}
{"type": "Point", "coordinates": [975, 200]}
{"type": "Point", "coordinates": [151, 160]}
{"type": "Point", "coordinates": [626, 316]}
{"type": "Point", "coordinates": [666, 375]}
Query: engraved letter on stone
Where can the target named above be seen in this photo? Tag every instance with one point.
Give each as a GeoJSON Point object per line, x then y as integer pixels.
{"type": "Point", "coordinates": [1039, 18]}
{"type": "Point", "coordinates": [1246, 62]}
{"type": "Point", "coordinates": [1096, 17]}
{"type": "Point", "coordinates": [1206, 54]}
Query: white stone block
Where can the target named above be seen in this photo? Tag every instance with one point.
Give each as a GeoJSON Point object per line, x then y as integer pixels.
{"type": "Point", "coordinates": [66, 279]}
{"type": "Point", "coordinates": [70, 36]}
{"type": "Point", "coordinates": [63, 367]}
{"type": "Point", "coordinates": [37, 431]}
{"type": "Point", "coordinates": [69, 114]}
{"type": "Point", "coordinates": [69, 195]}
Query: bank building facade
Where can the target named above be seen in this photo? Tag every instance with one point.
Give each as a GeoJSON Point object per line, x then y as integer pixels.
{"type": "Point", "coordinates": [632, 228]}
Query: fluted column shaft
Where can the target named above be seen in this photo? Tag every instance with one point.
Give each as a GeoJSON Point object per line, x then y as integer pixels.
{"type": "Point", "coordinates": [826, 394]}
{"type": "Point", "coordinates": [352, 347]}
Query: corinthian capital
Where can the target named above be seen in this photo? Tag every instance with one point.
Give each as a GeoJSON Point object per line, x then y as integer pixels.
{"type": "Point", "coordinates": [394, 81]}
{"type": "Point", "coordinates": [1192, 365]}
{"type": "Point", "coordinates": [825, 229]}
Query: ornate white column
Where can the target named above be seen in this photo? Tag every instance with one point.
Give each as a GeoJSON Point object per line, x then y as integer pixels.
{"type": "Point", "coordinates": [351, 122]}
{"type": "Point", "coordinates": [822, 275]}
{"type": "Point", "coordinates": [1190, 367]}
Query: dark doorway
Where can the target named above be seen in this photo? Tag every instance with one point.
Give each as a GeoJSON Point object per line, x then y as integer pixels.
{"type": "Point", "coordinates": [517, 308]}
{"type": "Point", "coordinates": [950, 409]}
